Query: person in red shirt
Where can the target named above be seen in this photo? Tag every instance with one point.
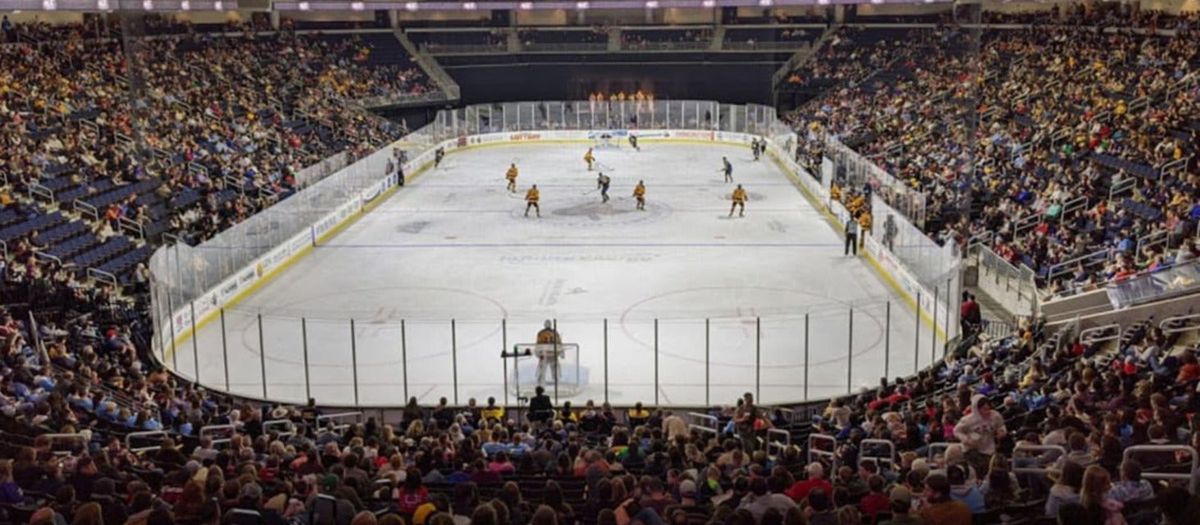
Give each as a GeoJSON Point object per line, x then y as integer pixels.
{"type": "Point", "coordinates": [412, 494]}
{"type": "Point", "coordinates": [875, 501]}
{"type": "Point", "coordinates": [816, 480]}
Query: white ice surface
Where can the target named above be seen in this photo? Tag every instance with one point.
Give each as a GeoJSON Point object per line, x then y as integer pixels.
{"type": "Point", "coordinates": [455, 245]}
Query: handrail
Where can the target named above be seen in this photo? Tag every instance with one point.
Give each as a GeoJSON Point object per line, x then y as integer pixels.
{"type": "Point", "coordinates": [864, 455]}
{"type": "Point", "coordinates": [1052, 466]}
{"type": "Point", "coordinates": [703, 429]}
{"type": "Point", "coordinates": [77, 436]}
{"type": "Point", "coordinates": [783, 444]}
{"type": "Point", "coordinates": [831, 455]}
{"type": "Point", "coordinates": [1192, 475]}
{"type": "Point", "coordinates": [38, 190]}
{"type": "Point", "coordinates": [341, 415]}
{"type": "Point", "coordinates": [1190, 322]}
{"type": "Point", "coordinates": [1100, 334]}
{"type": "Point", "coordinates": [85, 208]}
{"type": "Point", "coordinates": [101, 275]}
{"type": "Point", "coordinates": [147, 434]}
{"type": "Point", "coordinates": [287, 424]}
{"type": "Point", "coordinates": [932, 452]}
{"type": "Point", "coordinates": [208, 431]}
{"type": "Point", "coordinates": [705, 420]}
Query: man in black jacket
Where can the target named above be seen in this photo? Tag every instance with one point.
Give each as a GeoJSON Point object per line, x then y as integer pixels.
{"type": "Point", "coordinates": [540, 407]}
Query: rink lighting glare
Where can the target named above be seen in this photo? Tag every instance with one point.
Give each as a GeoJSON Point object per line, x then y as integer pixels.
{"type": "Point", "coordinates": [526, 6]}
{"type": "Point", "coordinates": [470, 6]}
{"type": "Point", "coordinates": [102, 5]}
{"type": "Point", "coordinates": [49, 5]}
{"type": "Point", "coordinates": [709, 3]}
{"type": "Point", "coordinates": [218, 6]}
{"type": "Point", "coordinates": [148, 5]}
{"type": "Point", "coordinates": [652, 4]}
{"type": "Point", "coordinates": [185, 5]}
{"type": "Point", "coordinates": [764, 3]}
{"type": "Point", "coordinates": [823, 2]}
{"type": "Point", "coordinates": [357, 6]}
{"type": "Point", "coordinates": [410, 6]}
{"type": "Point", "coordinates": [581, 5]}
{"type": "Point", "coordinates": [303, 6]}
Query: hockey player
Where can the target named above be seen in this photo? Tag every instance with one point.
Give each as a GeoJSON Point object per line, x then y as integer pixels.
{"type": "Point", "coordinates": [602, 183]}
{"type": "Point", "coordinates": [633, 142]}
{"type": "Point", "coordinates": [511, 175]}
{"type": "Point", "coordinates": [639, 193]}
{"type": "Point", "coordinates": [438, 155]}
{"type": "Point", "coordinates": [727, 168]}
{"type": "Point", "coordinates": [589, 158]}
{"type": "Point", "coordinates": [531, 201]}
{"type": "Point", "coordinates": [756, 148]}
{"type": "Point", "coordinates": [739, 201]}
{"type": "Point", "coordinates": [548, 336]}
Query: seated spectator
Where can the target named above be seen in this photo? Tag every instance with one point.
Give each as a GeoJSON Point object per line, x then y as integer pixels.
{"type": "Point", "coordinates": [815, 480]}
{"type": "Point", "coordinates": [939, 507]}
{"type": "Point", "coordinates": [1131, 487]}
{"type": "Point", "coordinates": [1066, 489]}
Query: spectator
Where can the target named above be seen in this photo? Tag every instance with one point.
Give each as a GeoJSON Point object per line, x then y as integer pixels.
{"type": "Point", "coordinates": [1066, 488]}
{"type": "Point", "coordinates": [939, 507]}
{"type": "Point", "coordinates": [816, 480]}
{"type": "Point", "coordinates": [1132, 487]}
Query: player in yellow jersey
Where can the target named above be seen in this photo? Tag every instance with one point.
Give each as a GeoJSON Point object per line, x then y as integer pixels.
{"type": "Point", "coordinates": [864, 224]}
{"type": "Point", "coordinates": [739, 201]}
{"type": "Point", "coordinates": [589, 158]}
{"type": "Point", "coordinates": [639, 193]}
{"type": "Point", "coordinates": [511, 175]}
{"type": "Point", "coordinates": [531, 201]}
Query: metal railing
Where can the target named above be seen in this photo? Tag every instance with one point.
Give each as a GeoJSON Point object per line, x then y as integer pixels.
{"type": "Point", "coordinates": [1192, 476]}
{"type": "Point", "coordinates": [219, 434]}
{"type": "Point", "coordinates": [1045, 462]}
{"type": "Point", "coordinates": [132, 437]}
{"type": "Point", "coordinates": [826, 454]}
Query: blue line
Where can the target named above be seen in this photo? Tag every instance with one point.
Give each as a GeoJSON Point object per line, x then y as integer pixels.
{"type": "Point", "coordinates": [591, 245]}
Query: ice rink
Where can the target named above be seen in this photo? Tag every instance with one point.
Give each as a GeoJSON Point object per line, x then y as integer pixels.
{"type": "Point", "coordinates": [452, 256]}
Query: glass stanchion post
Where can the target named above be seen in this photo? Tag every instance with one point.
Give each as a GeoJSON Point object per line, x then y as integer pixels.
{"type": "Point", "coordinates": [304, 346]}
{"type": "Point", "coordinates": [262, 357]}
{"type": "Point", "coordinates": [354, 360]}
{"type": "Point", "coordinates": [850, 355]}
{"type": "Point", "coordinates": [224, 350]}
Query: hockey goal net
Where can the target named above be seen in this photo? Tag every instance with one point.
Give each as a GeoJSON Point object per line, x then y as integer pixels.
{"type": "Point", "coordinates": [606, 141]}
{"type": "Point", "coordinates": [551, 366]}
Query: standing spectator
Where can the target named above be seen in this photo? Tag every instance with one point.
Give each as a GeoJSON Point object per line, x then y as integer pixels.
{"type": "Point", "coordinates": [540, 407]}
{"type": "Point", "coordinates": [978, 432]}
